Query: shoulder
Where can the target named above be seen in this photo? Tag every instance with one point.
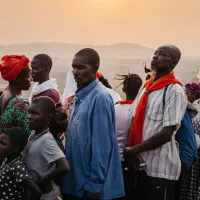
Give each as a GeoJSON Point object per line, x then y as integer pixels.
{"type": "Point", "coordinates": [102, 95]}
{"type": "Point", "coordinates": [115, 96]}
{"type": "Point", "coordinates": [19, 103]}
{"type": "Point", "coordinates": [49, 92]}
{"type": "Point", "coordinates": [176, 88]}
{"type": "Point", "coordinates": [53, 94]}
{"type": "Point", "coordinates": [18, 164]}
{"type": "Point", "coordinates": [122, 107]}
{"type": "Point", "coordinates": [47, 137]}
{"type": "Point", "coordinates": [48, 140]}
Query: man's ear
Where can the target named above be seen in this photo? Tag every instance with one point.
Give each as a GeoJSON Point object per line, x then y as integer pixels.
{"type": "Point", "coordinates": [95, 68]}
{"type": "Point", "coordinates": [46, 70]}
{"type": "Point", "coordinates": [174, 63]}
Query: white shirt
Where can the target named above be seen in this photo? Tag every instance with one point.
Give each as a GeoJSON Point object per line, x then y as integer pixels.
{"type": "Point", "coordinates": [163, 162]}
{"type": "Point", "coordinates": [70, 87]}
{"type": "Point", "coordinates": [39, 88]}
{"type": "Point", "coordinates": [123, 118]}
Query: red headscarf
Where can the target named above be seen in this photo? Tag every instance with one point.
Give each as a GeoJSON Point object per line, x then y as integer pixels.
{"type": "Point", "coordinates": [12, 65]}
{"type": "Point", "coordinates": [138, 122]}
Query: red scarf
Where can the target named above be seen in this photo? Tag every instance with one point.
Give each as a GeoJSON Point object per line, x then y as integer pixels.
{"type": "Point", "coordinates": [125, 102]}
{"type": "Point", "coordinates": [138, 122]}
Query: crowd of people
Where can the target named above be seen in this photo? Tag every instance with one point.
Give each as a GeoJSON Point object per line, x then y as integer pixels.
{"type": "Point", "coordinates": [89, 143]}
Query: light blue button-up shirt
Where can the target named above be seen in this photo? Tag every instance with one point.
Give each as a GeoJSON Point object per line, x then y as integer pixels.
{"type": "Point", "coordinates": [91, 146]}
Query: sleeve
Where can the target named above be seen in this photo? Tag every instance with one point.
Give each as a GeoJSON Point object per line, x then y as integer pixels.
{"type": "Point", "coordinates": [70, 87]}
{"type": "Point", "coordinates": [175, 106]}
{"type": "Point", "coordinates": [21, 173]}
{"type": "Point", "coordinates": [103, 132]}
{"type": "Point", "coordinates": [16, 113]}
{"type": "Point", "coordinates": [51, 151]}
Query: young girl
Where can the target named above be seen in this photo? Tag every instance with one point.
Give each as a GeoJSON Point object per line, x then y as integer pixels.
{"type": "Point", "coordinates": [131, 85]}
{"type": "Point", "coordinates": [13, 176]}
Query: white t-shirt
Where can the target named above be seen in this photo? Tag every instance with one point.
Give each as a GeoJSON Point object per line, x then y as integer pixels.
{"type": "Point", "coordinates": [163, 162]}
{"type": "Point", "coordinates": [123, 118]}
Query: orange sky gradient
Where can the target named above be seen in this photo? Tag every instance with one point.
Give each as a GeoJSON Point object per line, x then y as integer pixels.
{"type": "Point", "coordinates": [146, 22]}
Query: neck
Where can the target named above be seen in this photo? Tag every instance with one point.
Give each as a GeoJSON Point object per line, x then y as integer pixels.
{"type": "Point", "coordinates": [80, 87]}
{"type": "Point", "coordinates": [160, 74]}
{"type": "Point", "coordinates": [129, 98]}
{"type": "Point", "coordinates": [13, 89]}
{"type": "Point", "coordinates": [44, 79]}
{"type": "Point", "coordinates": [11, 158]}
{"type": "Point", "coordinates": [38, 131]}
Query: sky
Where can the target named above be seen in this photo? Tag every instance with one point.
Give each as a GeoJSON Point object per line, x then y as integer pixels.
{"type": "Point", "coordinates": [148, 23]}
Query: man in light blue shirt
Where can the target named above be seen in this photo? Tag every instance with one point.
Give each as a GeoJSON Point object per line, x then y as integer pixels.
{"type": "Point", "coordinates": [91, 145]}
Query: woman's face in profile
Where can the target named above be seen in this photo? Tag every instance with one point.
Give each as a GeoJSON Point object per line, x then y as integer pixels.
{"type": "Point", "coordinates": [24, 79]}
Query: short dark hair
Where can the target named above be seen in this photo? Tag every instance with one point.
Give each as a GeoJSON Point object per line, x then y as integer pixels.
{"type": "Point", "coordinates": [131, 83]}
{"type": "Point", "coordinates": [47, 104]}
{"type": "Point", "coordinates": [92, 56]}
{"type": "Point", "coordinates": [44, 60]}
{"type": "Point", "coordinates": [17, 137]}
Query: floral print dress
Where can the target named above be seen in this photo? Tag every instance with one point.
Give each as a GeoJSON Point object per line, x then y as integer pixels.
{"type": "Point", "coordinates": [15, 114]}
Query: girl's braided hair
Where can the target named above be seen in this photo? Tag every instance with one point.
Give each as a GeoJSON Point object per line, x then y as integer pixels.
{"type": "Point", "coordinates": [131, 84]}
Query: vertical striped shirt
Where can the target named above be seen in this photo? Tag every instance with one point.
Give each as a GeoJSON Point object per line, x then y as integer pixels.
{"type": "Point", "coordinates": [163, 162]}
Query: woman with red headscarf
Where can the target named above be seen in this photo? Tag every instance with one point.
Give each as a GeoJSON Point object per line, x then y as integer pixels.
{"type": "Point", "coordinates": [13, 109]}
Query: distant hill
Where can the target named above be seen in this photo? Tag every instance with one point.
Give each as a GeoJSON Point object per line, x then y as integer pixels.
{"type": "Point", "coordinates": [68, 50]}
{"type": "Point", "coordinates": [119, 58]}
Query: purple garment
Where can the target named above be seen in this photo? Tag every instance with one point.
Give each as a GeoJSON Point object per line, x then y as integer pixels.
{"type": "Point", "coordinates": [53, 94]}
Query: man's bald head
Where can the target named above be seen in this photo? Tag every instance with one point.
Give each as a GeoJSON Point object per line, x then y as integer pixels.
{"type": "Point", "coordinates": [174, 53]}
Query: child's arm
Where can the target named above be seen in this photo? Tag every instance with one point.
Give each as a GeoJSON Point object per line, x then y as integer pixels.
{"type": "Point", "coordinates": [33, 188]}
{"type": "Point", "coordinates": [62, 167]}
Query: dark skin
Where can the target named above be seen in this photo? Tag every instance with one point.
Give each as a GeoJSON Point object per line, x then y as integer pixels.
{"type": "Point", "coordinates": [11, 152]}
{"type": "Point", "coordinates": [39, 119]}
{"type": "Point", "coordinates": [58, 125]}
{"type": "Point", "coordinates": [162, 64]}
{"type": "Point", "coordinates": [84, 74]}
{"type": "Point", "coordinates": [191, 95]}
{"type": "Point", "coordinates": [22, 82]}
{"type": "Point", "coordinates": [128, 97]}
{"type": "Point", "coordinates": [58, 122]}
{"type": "Point", "coordinates": [40, 73]}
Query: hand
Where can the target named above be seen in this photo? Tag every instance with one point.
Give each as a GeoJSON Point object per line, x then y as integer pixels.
{"type": "Point", "coordinates": [46, 187]}
{"type": "Point", "coordinates": [131, 159]}
{"type": "Point", "coordinates": [92, 196]}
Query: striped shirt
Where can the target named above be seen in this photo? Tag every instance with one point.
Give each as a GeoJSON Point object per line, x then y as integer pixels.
{"type": "Point", "coordinates": [163, 162]}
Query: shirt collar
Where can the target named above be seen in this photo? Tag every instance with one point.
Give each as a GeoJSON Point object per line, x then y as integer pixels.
{"type": "Point", "coordinates": [80, 93]}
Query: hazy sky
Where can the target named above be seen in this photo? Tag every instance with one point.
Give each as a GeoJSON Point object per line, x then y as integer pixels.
{"type": "Point", "coordinates": [146, 22]}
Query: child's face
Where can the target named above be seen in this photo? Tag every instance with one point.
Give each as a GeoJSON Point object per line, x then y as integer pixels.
{"type": "Point", "coordinates": [5, 146]}
{"type": "Point", "coordinates": [37, 118]}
